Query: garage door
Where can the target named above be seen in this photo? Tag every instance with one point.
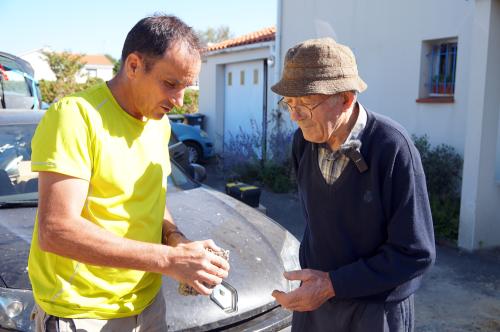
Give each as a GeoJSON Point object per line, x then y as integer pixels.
{"type": "Point", "coordinates": [244, 94]}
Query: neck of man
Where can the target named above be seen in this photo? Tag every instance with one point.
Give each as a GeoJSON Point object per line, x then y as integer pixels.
{"type": "Point", "coordinates": [340, 135]}
{"type": "Point", "coordinates": [120, 91]}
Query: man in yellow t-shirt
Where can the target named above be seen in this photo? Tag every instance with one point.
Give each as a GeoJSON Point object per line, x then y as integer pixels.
{"type": "Point", "coordinates": [103, 236]}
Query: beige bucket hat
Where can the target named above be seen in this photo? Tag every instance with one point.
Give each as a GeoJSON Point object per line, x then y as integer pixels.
{"type": "Point", "coordinates": [319, 66]}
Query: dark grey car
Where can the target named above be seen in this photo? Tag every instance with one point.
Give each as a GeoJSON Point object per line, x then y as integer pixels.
{"type": "Point", "coordinates": [260, 248]}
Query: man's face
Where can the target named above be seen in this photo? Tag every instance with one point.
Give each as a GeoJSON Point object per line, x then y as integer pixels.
{"type": "Point", "coordinates": [158, 90]}
{"type": "Point", "coordinates": [319, 116]}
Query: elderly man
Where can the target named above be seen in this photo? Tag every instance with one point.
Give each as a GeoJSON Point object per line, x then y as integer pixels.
{"type": "Point", "coordinates": [369, 235]}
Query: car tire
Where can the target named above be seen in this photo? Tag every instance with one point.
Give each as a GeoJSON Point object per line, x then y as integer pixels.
{"type": "Point", "coordinates": [194, 152]}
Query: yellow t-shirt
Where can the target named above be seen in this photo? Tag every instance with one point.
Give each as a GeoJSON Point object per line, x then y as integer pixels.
{"type": "Point", "coordinates": [126, 161]}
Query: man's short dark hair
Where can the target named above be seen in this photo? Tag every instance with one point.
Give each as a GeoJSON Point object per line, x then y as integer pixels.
{"type": "Point", "coordinates": [153, 35]}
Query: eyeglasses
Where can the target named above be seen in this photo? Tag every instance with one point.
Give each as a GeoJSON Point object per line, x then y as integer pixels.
{"type": "Point", "coordinates": [304, 111]}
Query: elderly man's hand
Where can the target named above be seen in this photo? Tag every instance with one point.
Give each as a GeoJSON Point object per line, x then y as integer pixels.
{"type": "Point", "coordinates": [315, 289]}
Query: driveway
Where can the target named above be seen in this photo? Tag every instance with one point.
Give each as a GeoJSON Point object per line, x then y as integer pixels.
{"type": "Point", "coordinates": [460, 293]}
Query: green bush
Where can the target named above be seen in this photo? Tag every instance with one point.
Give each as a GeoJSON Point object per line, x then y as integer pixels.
{"type": "Point", "coordinates": [273, 176]}
{"type": "Point", "coordinates": [277, 177]}
{"type": "Point", "coordinates": [190, 103]}
{"type": "Point", "coordinates": [54, 90]}
{"type": "Point", "coordinates": [249, 173]}
{"type": "Point", "coordinates": [443, 171]}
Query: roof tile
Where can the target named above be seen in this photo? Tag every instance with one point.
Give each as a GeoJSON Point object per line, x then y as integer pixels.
{"type": "Point", "coordinates": [260, 36]}
{"type": "Point", "coordinates": [97, 59]}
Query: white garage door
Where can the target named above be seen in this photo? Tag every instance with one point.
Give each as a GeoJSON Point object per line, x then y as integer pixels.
{"type": "Point", "coordinates": [244, 94]}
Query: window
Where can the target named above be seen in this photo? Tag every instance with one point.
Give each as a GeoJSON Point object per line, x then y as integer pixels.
{"type": "Point", "coordinates": [229, 78]}
{"type": "Point", "coordinates": [16, 86]}
{"type": "Point", "coordinates": [14, 83]}
{"type": "Point", "coordinates": [91, 72]}
{"type": "Point", "coordinates": [242, 77]}
{"type": "Point", "coordinates": [255, 76]}
{"type": "Point", "coordinates": [438, 68]}
{"type": "Point", "coordinates": [442, 68]}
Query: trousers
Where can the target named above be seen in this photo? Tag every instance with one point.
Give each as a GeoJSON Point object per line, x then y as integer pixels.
{"type": "Point", "coordinates": [357, 316]}
{"type": "Point", "coordinates": [151, 319]}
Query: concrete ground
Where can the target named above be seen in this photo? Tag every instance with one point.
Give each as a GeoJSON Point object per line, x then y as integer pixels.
{"type": "Point", "coordinates": [460, 293]}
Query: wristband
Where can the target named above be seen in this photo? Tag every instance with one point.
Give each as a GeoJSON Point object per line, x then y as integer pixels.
{"type": "Point", "coordinates": [172, 231]}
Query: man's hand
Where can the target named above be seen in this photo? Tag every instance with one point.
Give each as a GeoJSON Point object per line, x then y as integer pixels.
{"type": "Point", "coordinates": [192, 264]}
{"type": "Point", "coordinates": [315, 289]}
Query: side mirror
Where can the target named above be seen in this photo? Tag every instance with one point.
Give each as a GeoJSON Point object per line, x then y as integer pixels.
{"type": "Point", "coordinates": [197, 172]}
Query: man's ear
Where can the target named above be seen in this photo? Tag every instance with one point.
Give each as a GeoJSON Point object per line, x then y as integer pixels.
{"type": "Point", "coordinates": [349, 98]}
{"type": "Point", "coordinates": [133, 63]}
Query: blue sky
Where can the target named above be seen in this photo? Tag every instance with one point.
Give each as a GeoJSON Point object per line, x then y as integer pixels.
{"type": "Point", "coordinates": [99, 27]}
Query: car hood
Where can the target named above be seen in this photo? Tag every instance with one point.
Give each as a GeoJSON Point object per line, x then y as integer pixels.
{"type": "Point", "coordinates": [260, 250]}
{"type": "Point", "coordinates": [16, 229]}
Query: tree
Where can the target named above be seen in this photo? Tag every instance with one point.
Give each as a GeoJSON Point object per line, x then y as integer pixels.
{"type": "Point", "coordinates": [190, 102]}
{"type": "Point", "coordinates": [116, 63]}
{"type": "Point", "coordinates": [65, 66]}
{"type": "Point", "coordinates": [116, 67]}
{"type": "Point", "coordinates": [214, 35]}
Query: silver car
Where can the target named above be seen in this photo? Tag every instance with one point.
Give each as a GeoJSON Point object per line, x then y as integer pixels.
{"type": "Point", "coordinates": [260, 249]}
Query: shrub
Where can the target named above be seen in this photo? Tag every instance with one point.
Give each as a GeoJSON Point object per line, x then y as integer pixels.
{"type": "Point", "coordinates": [190, 102]}
{"type": "Point", "coordinates": [277, 177]}
{"type": "Point", "coordinates": [242, 160]}
{"type": "Point", "coordinates": [243, 147]}
{"type": "Point", "coordinates": [443, 171]}
{"type": "Point", "coordinates": [54, 90]}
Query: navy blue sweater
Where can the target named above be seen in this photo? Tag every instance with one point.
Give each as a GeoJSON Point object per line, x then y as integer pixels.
{"type": "Point", "coordinates": [371, 231]}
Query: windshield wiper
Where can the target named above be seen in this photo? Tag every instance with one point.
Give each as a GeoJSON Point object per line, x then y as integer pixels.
{"type": "Point", "coordinates": [18, 204]}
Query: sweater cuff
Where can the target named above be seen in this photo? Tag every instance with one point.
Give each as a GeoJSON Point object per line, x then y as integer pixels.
{"type": "Point", "coordinates": [340, 285]}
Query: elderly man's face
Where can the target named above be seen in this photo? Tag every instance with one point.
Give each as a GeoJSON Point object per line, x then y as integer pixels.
{"type": "Point", "coordinates": [319, 116]}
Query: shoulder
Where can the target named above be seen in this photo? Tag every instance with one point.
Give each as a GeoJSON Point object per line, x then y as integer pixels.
{"type": "Point", "coordinates": [78, 105]}
{"type": "Point", "coordinates": [391, 139]}
{"type": "Point", "coordinates": [387, 129]}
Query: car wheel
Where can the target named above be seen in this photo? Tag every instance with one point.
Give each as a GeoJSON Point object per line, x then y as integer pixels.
{"type": "Point", "coordinates": [194, 152]}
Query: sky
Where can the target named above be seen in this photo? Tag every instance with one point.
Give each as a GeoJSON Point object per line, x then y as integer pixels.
{"type": "Point", "coordinates": [100, 26]}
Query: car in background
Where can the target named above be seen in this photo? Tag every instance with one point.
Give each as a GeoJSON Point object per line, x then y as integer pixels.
{"type": "Point", "coordinates": [18, 87]}
{"type": "Point", "coordinates": [199, 145]}
{"type": "Point", "coordinates": [260, 249]}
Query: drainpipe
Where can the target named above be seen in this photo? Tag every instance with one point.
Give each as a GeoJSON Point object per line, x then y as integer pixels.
{"type": "Point", "coordinates": [276, 59]}
{"type": "Point", "coordinates": [277, 47]}
{"type": "Point", "coordinates": [264, 113]}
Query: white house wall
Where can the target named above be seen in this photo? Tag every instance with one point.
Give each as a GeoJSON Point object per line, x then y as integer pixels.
{"type": "Point", "coordinates": [211, 98]}
{"type": "Point", "coordinates": [386, 37]}
{"type": "Point", "coordinates": [104, 72]}
{"type": "Point", "coordinates": [43, 71]}
{"type": "Point", "coordinates": [480, 209]}
{"type": "Point", "coordinates": [40, 66]}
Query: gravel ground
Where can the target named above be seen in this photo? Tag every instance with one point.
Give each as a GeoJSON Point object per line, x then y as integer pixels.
{"type": "Point", "coordinates": [460, 293]}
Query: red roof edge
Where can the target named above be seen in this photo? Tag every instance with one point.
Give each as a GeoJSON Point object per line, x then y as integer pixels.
{"type": "Point", "coordinates": [266, 34]}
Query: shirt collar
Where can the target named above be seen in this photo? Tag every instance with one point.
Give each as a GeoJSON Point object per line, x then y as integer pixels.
{"type": "Point", "coordinates": [360, 124]}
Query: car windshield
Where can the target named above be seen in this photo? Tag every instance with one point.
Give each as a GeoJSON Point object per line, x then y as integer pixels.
{"type": "Point", "coordinates": [18, 184]}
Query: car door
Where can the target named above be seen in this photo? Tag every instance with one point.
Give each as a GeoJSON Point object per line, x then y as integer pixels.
{"type": "Point", "coordinates": [178, 151]}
